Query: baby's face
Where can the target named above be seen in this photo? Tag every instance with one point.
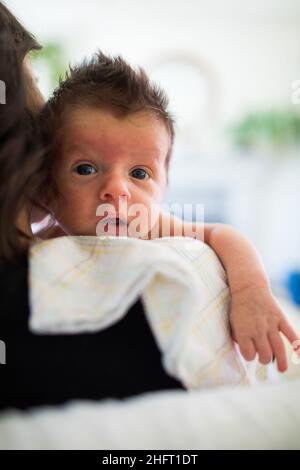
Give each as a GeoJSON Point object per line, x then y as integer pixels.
{"type": "Point", "coordinates": [103, 159]}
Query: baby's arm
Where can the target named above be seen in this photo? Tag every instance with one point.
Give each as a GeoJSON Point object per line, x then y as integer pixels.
{"type": "Point", "coordinates": [255, 317]}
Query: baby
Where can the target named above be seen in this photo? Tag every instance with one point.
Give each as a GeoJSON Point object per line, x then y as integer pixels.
{"type": "Point", "coordinates": [110, 138]}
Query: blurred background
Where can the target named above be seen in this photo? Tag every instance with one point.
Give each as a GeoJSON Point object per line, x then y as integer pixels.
{"type": "Point", "coordinates": [230, 68]}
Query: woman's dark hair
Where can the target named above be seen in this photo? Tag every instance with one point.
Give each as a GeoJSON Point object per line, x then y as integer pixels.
{"type": "Point", "coordinates": [22, 39]}
{"type": "Point", "coordinates": [21, 158]}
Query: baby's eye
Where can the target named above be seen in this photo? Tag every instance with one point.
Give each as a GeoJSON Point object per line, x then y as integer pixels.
{"type": "Point", "coordinates": [140, 174]}
{"type": "Point", "coordinates": [85, 169]}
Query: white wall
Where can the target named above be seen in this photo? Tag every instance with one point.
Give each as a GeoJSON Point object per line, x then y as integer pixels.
{"type": "Point", "coordinates": [254, 46]}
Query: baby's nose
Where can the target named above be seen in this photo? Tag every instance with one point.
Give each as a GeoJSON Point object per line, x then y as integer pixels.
{"type": "Point", "coordinates": [114, 188]}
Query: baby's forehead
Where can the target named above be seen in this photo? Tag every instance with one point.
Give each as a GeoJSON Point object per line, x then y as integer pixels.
{"type": "Point", "coordinates": [85, 117]}
{"type": "Point", "coordinates": [137, 134]}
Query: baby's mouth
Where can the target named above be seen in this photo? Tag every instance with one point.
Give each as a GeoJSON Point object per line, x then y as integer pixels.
{"type": "Point", "coordinates": [115, 221]}
{"type": "Point", "coordinates": [113, 226]}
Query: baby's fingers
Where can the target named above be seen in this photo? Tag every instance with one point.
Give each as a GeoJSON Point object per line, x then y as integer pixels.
{"type": "Point", "coordinates": [247, 349]}
{"type": "Point", "coordinates": [288, 331]}
{"type": "Point", "coordinates": [279, 351]}
{"type": "Point", "coordinates": [264, 349]}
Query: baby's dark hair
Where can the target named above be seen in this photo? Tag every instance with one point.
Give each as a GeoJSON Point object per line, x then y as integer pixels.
{"type": "Point", "coordinates": [107, 83]}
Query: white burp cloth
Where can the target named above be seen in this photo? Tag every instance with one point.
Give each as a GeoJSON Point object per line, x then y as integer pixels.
{"type": "Point", "coordinates": [87, 283]}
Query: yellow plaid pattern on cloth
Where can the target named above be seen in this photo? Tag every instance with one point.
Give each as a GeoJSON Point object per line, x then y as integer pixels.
{"type": "Point", "coordinates": [84, 283]}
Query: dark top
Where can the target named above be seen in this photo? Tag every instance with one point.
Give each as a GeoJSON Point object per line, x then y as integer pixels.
{"type": "Point", "coordinates": [120, 361]}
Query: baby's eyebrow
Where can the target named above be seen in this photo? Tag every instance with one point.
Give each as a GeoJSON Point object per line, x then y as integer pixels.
{"type": "Point", "coordinates": [148, 155]}
{"type": "Point", "coordinates": [151, 154]}
{"type": "Point", "coordinates": [82, 146]}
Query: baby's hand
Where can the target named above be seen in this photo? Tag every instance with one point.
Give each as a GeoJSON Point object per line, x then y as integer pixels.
{"type": "Point", "coordinates": [256, 322]}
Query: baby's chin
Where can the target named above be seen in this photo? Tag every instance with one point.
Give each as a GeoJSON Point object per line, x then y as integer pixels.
{"type": "Point", "coordinates": [99, 231]}
{"type": "Point", "coordinates": [78, 231]}
{"type": "Point", "coordinates": [131, 230]}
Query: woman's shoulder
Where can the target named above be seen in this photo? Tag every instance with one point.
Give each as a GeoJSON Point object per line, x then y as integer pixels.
{"type": "Point", "coordinates": [13, 273]}
{"type": "Point", "coordinates": [19, 263]}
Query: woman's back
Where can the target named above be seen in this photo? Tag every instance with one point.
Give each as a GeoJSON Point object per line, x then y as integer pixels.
{"type": "Point", "coordinates": [118, 362]}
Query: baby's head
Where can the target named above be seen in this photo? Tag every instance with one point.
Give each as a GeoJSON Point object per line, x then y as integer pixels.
{"type": "Point", "coordinates": [110, 137]}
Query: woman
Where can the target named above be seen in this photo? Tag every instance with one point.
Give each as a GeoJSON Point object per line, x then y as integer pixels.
{"type": "Point", "coordinates": [51, 369]}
